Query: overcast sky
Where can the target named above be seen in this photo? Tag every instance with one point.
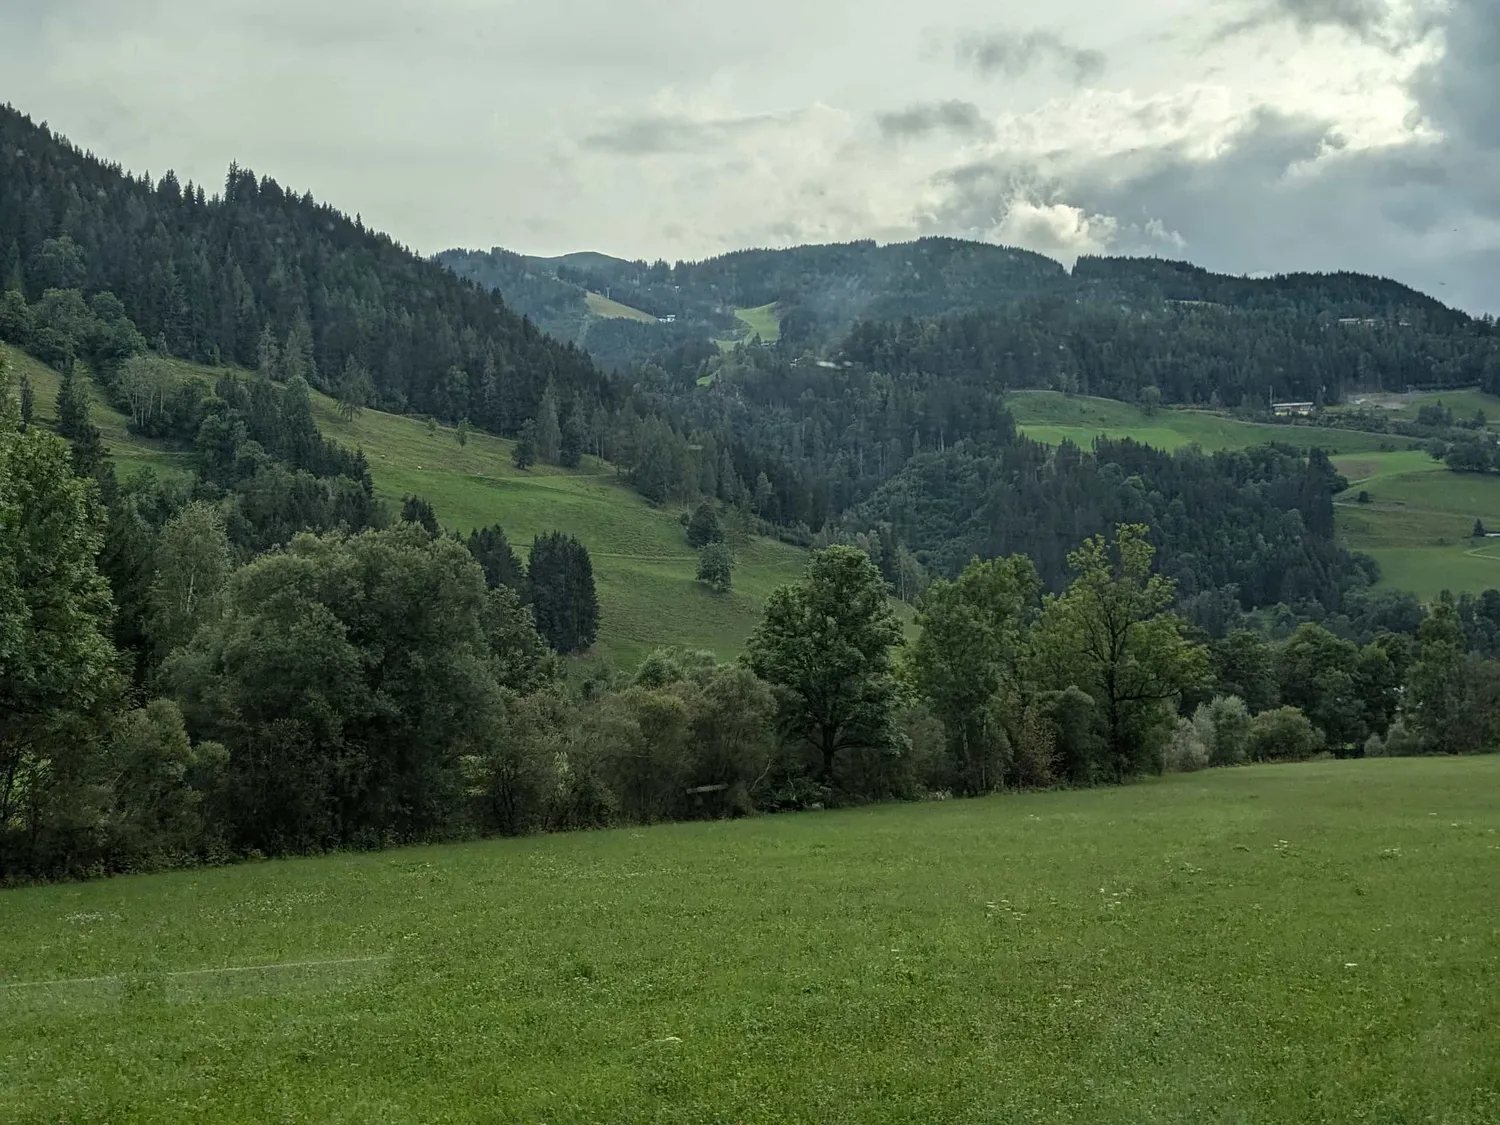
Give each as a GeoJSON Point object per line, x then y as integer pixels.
{"type": "Point", "coordinates": [1246, 135]}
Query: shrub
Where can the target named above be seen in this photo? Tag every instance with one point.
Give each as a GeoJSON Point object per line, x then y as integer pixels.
{"type": "Point", "coordinates": [1185, 751]}
{"type": "Point", "coordinates": [1399, 742]}
{"type": "Point", "coordinates": [1284, 734]}
{"type": "Point", "coordinates": [1223, 725]}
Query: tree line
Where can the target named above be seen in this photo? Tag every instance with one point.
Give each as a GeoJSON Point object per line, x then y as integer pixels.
{"type": "Point", "coordinates": [352, 689]}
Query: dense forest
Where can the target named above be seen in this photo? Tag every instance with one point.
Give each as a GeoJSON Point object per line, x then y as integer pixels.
{"type": "Point", "coordinates": [208, 275]}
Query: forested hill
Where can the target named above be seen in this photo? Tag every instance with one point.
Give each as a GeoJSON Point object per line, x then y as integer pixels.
{"type": "Point", "coordinates": [820, 292]}
{"type": "Point", "coordinates": [208, 276]}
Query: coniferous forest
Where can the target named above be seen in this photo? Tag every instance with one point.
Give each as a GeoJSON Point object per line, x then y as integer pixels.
{"type": "Point", "coordinates": [265, 657]}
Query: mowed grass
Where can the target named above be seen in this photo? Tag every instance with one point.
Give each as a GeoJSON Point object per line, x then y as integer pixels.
{"type": "Point", "coordinates": [1302, 943]}
{"type": "Point", "coordinates": [600, 305]}
{"type": "Point", "coordinates": [1052, 417]}
{"type": "Point", "coordinates": [1418, 522]}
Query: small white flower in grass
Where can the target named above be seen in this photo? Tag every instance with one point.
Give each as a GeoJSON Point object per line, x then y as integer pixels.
{"type": "Point", "coordinates": [1351, 964]}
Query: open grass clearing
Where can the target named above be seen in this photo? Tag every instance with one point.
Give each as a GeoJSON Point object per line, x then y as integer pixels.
{"type": "Point", "coordinates": [1051, 417]}
{"type": "Point", "coordinates": [1267, 944]}
{"type": "Point", "coordinates": [602, 306]}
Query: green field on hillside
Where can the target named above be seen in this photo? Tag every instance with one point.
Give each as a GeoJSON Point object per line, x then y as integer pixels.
{"type": "Point", "coordinates": [643, 567]}
{"type": "Point", "coordinates": [600, 305]}
{"type": "Point", "coordinates": [761, 321]}
{"type": "Point", "coordinates": [1418, 520]}
{"type": "Point", "coordinates": [129, 452]}
{"type": "Point", "coordinates": [1051, 417]}
{"type": "Point", "coordinates": [1263, 944]}
{"type": "Point", "coordinates": [1464, 404]}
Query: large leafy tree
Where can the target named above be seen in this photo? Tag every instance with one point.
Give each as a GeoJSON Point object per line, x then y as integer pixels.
{"type": "Point", "coordinates": [971, 643]}
{"type": "Point", "coordinates": [1113, 635]}
{"type": "Point", "coordinates": [348, 677]}
{"type": "Point", "coordinates": [192, 565]}
{"type": "Point", "coordinates": [825, 644]}
{"type": "Point", "coordinates": [57, 665]}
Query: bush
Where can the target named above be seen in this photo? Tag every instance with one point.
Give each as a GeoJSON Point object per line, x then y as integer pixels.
{"type": "Point", "coordinates": [1186, 751]}
{"type": "Point", "coordinates": [1399, 742]}
{"type": "Point", "coordinates": [1284, 734]}
{"type": "Point", "coordinates": [1223, 726]}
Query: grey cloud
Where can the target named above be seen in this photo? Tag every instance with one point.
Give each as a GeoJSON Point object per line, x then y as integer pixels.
{"type": "Point", "coordinates": [1011, 54]}
{"type": "Point", "coordinates": [961, 118]}
{"type": "Point", "coordinates": [1381, 22]}
{"type": "Point", "coordinates": [658, 134]}
{"type": "Point", "coordinates": [1460, 90]}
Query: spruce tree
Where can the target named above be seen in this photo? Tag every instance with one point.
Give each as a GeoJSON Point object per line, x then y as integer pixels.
{"type": "Point", "coordinates": [563, 599]}
{"type": "Point", "coordinates": [28, 402]}
{"type": "Point", "coordinates": [525, 451]}
{"type": "Point", "coordinates": [548, 431]}
{"type": "Point", "coordinates": [416, 510]}
{"type": "Point", "coordinates": [704, 527]}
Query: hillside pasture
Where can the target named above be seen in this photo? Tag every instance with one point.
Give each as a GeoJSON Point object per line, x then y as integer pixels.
{"type": "Point", "coordinates": [644, 569]}
{"type": "Point", "coordinates": [601, 306]}
{"type": "Point", "coordinates": [1052, 417]}
{"type": "Point", "coordinates": [1308, 942]}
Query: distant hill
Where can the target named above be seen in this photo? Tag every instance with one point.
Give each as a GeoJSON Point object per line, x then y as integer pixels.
{"type": "Point", "coordinates": [818, 293]}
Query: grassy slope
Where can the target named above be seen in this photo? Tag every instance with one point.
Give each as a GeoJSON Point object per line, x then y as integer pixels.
{"type": "Point", "coordinates": [130, 453]}
{"type": "Point", "coordinates": [761, 320]}
{"type": "Point", "coordinates": [1265, 944]}
{"type": "Point", "coordinates": [1051, 416]}
{"type": "Point", "coordinates": [644, 569]}
{"type": "Point", "coordinates": [1418, 520]}
{"type": "Point", "coordinates": [643, 566]}
{"type": "Point", "coordinates": [600, 305]}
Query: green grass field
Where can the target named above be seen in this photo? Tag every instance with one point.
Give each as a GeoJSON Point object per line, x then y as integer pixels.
{"type": "Point", "coordinates": [1418, 522]}
{"type": "Point", "coordinates": [1464, 404]}
{"type": "Point", "coordinates": [600, 305]}
{"type": "Point", "coordinates": [761, 321]}
{"type": "Point", "coordinates": [1051, 417]}
{"type": "Point", "coordinates": [1302, 943]}
{"type": "Point", "coordinates": [643, 567]}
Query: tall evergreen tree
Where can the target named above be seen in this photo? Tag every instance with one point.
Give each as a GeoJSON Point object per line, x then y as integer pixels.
{"type": "Point", "coordinates": [548, 430]}
{"type": "Point", "coordinates": [563, 599]}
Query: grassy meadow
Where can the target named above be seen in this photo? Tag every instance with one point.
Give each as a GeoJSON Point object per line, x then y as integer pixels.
{"type": "Point", "coordinates": [762, 321]}
{"type": "Point", "coordinates": [1418, 520]}
{"type": "Point", "coordinates": [1051, 417]}
{"type": "Point", "coordinates": [644, 569]}
{"type": "Point", "coordinates": [1308, 943]}
{"type": "Point", "coordinates": [602, 306]}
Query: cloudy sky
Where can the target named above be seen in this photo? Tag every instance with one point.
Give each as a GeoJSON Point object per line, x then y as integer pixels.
{"type": "Point", "coordinates": [1247, 135]}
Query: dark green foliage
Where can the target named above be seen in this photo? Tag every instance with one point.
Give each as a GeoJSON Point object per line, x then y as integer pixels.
{"type": "Point", "coordinates": [210, 275]}
{"type": "Point", "coordinates": [347, 677]}
{"type": "Point", "coordinates": [524, 454]}
{"type": "Point", "coordinates": [1478, 532]}
{"type": "Point", "coordinates": [704, 527]}
{"type": "Point", "coordinates": [58, 674]}
{"type": "Point", "coordinates": [825, 644]}
{"type": "Point", "coordinates": [1112, 634]}
{"type": "Point", "coordinates": [716, 567]}
{"type": "Point", "coordinates": [563, 601]}
{"type": "Point", "coordinates": [28, 402]}
{"type": "Point", "coordinates": [493, 552]}
{"type": "Point", "coordinates": [416, 510]}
